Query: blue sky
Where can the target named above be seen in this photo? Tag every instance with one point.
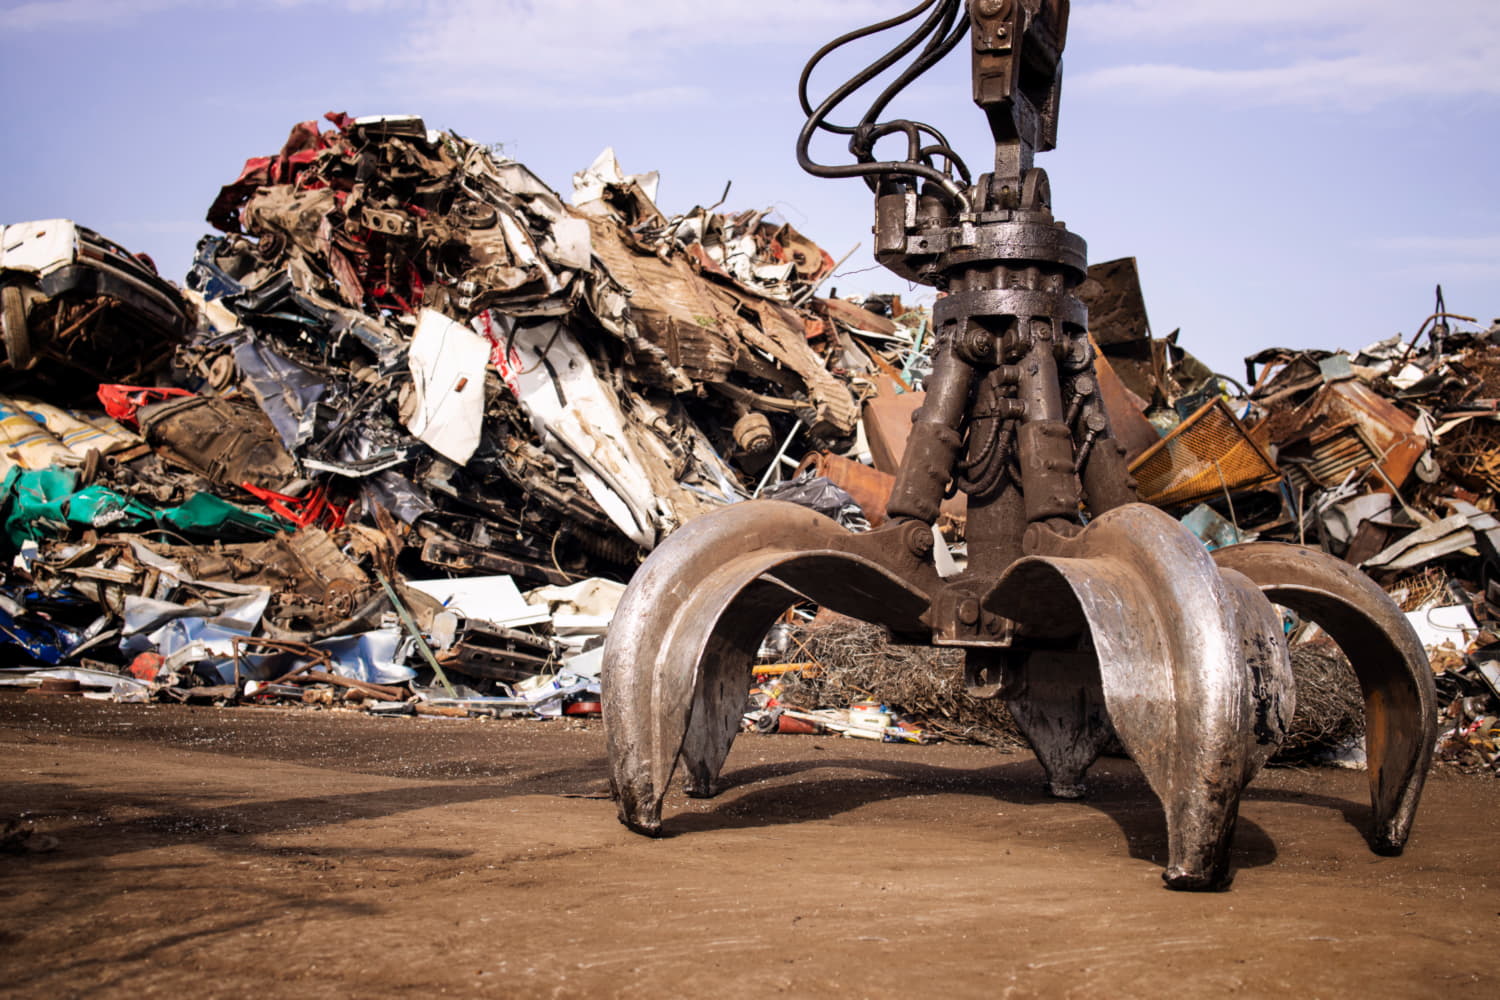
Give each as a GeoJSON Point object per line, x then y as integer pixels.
{"type": "Point", "coordinates": [1288, 172]}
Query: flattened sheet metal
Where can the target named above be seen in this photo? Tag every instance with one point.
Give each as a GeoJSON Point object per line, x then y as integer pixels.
{"type": "Point", "coordinates": [1117, 309]}
{"type": "Point", "coordinates": [1456, 533]}
{"type": "Point", "coordinates": [495, 599]}
{"type": "Point", "coordinates": [855, 316]}
{"type": "Point", "coordinates": [115, 687]}
{"type": "Point", "coordinates": [447, 369]}
{"type": "Point", "coordinates": [577, 417]}
{"type": "Point", "coordinates": [589, 184]}
{"type": "Point", "coordinates": [285, 390]}
{"type": "Point", "coordinates": [38, 247]}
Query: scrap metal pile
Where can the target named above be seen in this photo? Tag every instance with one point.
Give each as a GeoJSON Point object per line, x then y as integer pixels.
{"type": "Point", "coordinates": [407, 381]}
{"type": "Point", "coordinates": [404, 361]}
{"type": "Point", "coordinates": [1387, 457]}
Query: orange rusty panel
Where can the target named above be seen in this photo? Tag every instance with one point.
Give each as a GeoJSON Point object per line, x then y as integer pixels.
{"type": "Point", "coordinates": [1390, 431]}
{"type": "Point", "coordinates": [1127, 417]}
{"type": "Point", "coordinates": [1210, 453]}
{"type": "Point", "coordinates": [870, 488]}
{"type": "Point", "coordinates": [1348, 427]}
{"type": "Point", "coordinates": [888, 425]}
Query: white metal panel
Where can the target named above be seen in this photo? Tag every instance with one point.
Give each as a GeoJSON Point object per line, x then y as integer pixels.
{"type": "Point", "coordinates": [38, 247]}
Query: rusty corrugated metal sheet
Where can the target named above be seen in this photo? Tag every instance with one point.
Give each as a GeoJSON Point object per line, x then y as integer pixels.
{"type": "Point", "coordinates": [707, 329]}
{"type": "Point", "coordinates": [693, 321]}
{"type": "Point", "coordinates": [1348, 427]}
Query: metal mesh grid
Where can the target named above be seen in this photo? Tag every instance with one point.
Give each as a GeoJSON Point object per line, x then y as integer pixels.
{"type": "Point", "coordinates": [1208, 453]}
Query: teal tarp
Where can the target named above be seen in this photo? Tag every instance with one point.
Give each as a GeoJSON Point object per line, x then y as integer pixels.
{"type": "Point", "coordinates": [44, 503]}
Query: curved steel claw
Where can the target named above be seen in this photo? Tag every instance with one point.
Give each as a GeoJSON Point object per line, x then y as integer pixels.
{"type": "Point", "coordinates": [1193, 671]}
{"type": "Point", "coordinates": [678, 656]}
{"type": "Point", "coordinates": [1394, 675]}
{"type": "Point", "coordinates": [1129, 625]}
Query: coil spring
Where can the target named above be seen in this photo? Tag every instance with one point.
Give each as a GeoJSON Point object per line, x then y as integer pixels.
{"type": "Point", "coordinates": [613, 549]}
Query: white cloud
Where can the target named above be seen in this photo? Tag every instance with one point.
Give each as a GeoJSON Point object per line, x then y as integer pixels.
{"type": "Point", "coordinates": [1159, 19]}
{"type": "Point", "coordinates": [520, 92]}
{"type": "Point", "coordinates": [42, 14]}
{"type": "Point", "coordinates": [1348, 54]}
{"type": "Point", "coordinates": [594, 53]}
{"type": "Point", "coordinates": [602, 53]}
{"type": "Point", "coordinates": [1487, 247]}
{"type": "Point", "coordinates": [1445, 258]}
{"type": "Point", "coordinates": [39, 15]}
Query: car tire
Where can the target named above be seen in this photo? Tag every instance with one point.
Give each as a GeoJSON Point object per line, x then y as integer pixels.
{"type": "Point", "coordinates": [13, 329]}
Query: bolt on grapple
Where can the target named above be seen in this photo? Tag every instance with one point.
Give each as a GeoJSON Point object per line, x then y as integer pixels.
{"type": "Point", "coordinates": [1091, 614]}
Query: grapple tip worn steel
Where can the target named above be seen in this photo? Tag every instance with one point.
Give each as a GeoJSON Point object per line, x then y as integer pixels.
{"type": "Point", "coordinates": [1091, 614]}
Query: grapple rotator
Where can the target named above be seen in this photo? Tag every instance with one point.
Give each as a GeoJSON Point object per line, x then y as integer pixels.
{"type": "Point", "coordinates": [1089, 613]}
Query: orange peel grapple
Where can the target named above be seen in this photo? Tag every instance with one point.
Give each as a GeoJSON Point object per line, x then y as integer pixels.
{"type": "Point", "coordinates": [1092, 615]}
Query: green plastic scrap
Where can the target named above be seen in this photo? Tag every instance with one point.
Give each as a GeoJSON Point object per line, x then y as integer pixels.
{"type": "Point", "coordinates": [43, 503]}
{"type": "Point", "coordinates": [97, 507]}
{"type": "Point", "coordinates": [33, 501]}
{"type": "Point", "coordinates": [206, 514]}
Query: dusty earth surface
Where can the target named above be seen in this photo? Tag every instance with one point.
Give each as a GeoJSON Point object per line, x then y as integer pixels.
{"type": "Point", "coordinates": [280, 853]}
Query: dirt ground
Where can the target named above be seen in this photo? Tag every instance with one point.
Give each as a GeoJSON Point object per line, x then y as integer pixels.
{"type": "Point", "coordinates": [278, 853]}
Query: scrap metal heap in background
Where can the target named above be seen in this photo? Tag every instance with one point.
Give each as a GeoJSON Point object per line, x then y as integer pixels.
{"type": "Point", "coordinates": [1091, 614]}
{"type": "Point", "coordinates": [405, 359]}
{"type": "Point", "coordinates": [382, 272]}
{"type": "Point", "coordinates": [1387, 457]}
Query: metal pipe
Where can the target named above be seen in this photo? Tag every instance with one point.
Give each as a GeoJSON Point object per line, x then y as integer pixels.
{"type": "Point", "coordinates": [775, 465]}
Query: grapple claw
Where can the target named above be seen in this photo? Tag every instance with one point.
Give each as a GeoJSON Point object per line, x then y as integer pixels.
{"type": "Point", "coordinates": [1394, 675]}
{"type": "Point", "coordinates": [1124, 625]}
{"type": "Point", "coordinates": [1057, 701]}
{"type": "Point", "coordinates": [1195, 678]}
{"type": "Point", "coordinates": [678, 656]}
